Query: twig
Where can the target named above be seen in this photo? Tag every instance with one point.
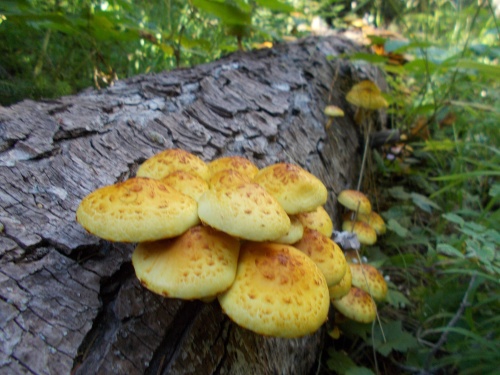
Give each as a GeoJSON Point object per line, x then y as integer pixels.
{"type": "Point", "coordinates": [451, 323]}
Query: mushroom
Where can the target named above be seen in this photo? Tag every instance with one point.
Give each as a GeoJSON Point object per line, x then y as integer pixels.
{"type": "Point", "coordinates": [187, 183]}
{"type": "Point", "coordinates": [374, 220]}
{"type": "Point", "coordinates": [294, 234]}
{"type": "Point", "coordinates": [365, 233]}
{"type": "Point", "coordinates": [242, 209]}
{"type": "Point", "coordinates": [325, 253]}
{"type": "Point", "coordinates": [356, 305]}
{"type": "Point", "coordinates": [136, 210]}
{"type": "Point", "coordinates": [278, 291]}
{"type": "Point", "coordinates": [237, 163]}
{"type": "Point", "coordinates": [293, 187]}
{"type": "Point", "coordinates": [332, 111]}
{"type": "Point", "coordinates": [199, 264]}
{"type": "Point", "coordinates": [168, 161]}
{"type": "Point", "coordinates": [318, 220]}
{"type": "Point", "coordinates": [367, 97]}
{"type": "Point", "coordinates": [355, 200]}
{"type": "Point", "coordinates": [368, 278]}
{"type": "Point", "coordinates": [343, 287]}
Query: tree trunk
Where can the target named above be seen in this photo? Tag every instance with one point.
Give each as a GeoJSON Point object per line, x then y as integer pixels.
{"type": "Point", "coordinates": [69, 302]}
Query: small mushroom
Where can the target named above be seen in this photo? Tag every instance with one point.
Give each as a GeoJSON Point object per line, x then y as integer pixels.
{"type": "Point", "coordinates": [318, 220]}
{"type": "Point", "coordinates": [278, 291]}
{"type": "Point", "coordinates": [294, 234]}
{"type": "Point", "coordinates": [293, 187]}
{"type": "Point", "coordinates": [332, 111]}
{"type": "Point", "coordinates": [355, 200]}
{"type": "Point", "coordinates": [374, 220]}
{"type": "Point", "coordinates": [357, 305]}
{"type": "Point", "coordinates": [325, 253]}
{"type": "Point", "coordinates": [199, 264]}
{"type": "Point", "coordinates": [367, 97]}
{"type": "Point", "coordinates": [368, 278]}
{"type": "Point", "coordinates": [365, 233]}
{"type": "Point", "coordinates": [170, 160]}
{"type": "Point", "coordinates": [343, 287]}
{"type": "Point", "coordinates": [136, 210]}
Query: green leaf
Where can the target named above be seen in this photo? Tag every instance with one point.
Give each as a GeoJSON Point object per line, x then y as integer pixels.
{"type": "Point", "coordinates": [494, 191]}
{"type": "Point", "coordinates": [444, 145]}
{"type": "Point", "coordinates": [424, 203]}
{"type": "Point", "coordinates": [489, 70]}
{"type": "Point", "coordinates": [275, 5]}
{"type": "Point", "coordinates": [397, 299]}
{"type": "Point", "coordinates": [359, 371]}
{"type": "Point", "coordinates": [454, 218]}
{"type": "Point", "coordinates": [399, 192]}
{"type": "Point", "coordinates": [447, 249]}
{"type": "Point", "coordinates": [467, 175]}
{"type": "Point", "coordinates": [396, 338]}
{"type": "Point", "coordinates": [227, 13]}
{"type": "Point", "coordinates": [394, 226]}
{"type": "Point", "coordinates": [368, 57]}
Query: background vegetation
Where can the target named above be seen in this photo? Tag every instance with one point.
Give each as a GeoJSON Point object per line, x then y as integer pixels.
{"type": "Point", "coordinates": [439, 190]}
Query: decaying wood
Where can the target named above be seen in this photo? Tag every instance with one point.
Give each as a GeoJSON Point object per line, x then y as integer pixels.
{"type": "Point", "coordinates": [69, 302]}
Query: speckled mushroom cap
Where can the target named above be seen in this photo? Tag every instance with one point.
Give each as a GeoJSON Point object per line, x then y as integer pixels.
{"type": "Point", "coordinates": [198, 264]}
{"type": "Point", "coordinates": [352, 199]}
{"type": "Point", "coordinates": [168, 161]}
{"type": "Point", "coordinates": [293, 187]}
{"type": "Point", "coordinates": [186, 183]}
{"type": "Point", "coordinates": [366, 94]}
{"type": "Point", "coordinates": [244, 210]}
{"type": "Point", "coordinates": [137, 210]}
{"type": "Point", "coordinates": [228, 178]}
{"type": "Point", "coordinates": [318, 220]}
{"type": "Point", "coordinates": [374, 220]}
{"type": "Point", "coordinates": [366, 234]}
{"type": "Point", "coordinates": [325, 253]}
{"type": "Point", "coordinates": [343, 287]}
{"type": "Point", "coordinates": [237, 163]}
{"type": "Point", "coordinates": [356, 305]}
{"type": "Point", "coordinates": [278, 291]}
{"type": "Point", "coordinates": [295, 232]}
{"type": "Point", "coordinates": [368, 278]}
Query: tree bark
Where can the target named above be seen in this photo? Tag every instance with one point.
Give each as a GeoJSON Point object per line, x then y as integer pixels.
{"type": "Point", "coordinates": [69, 302]}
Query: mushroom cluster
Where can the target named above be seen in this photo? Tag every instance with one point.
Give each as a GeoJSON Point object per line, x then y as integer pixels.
{"type": "Point", "coordinates": [257, 240]}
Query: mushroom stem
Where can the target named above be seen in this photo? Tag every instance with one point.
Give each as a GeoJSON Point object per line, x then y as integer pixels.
{"type": "Point", "coordinates": [365, 152]}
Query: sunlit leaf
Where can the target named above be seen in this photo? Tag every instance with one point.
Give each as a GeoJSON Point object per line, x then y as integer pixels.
{"type": "Point", "coordinates": [275, 5]}
{"type": "Point", "coordinates": [227, 13]}
{"type": "Point", "coordinates": [368, 57]}
{"type": "Point", "coordinates": [487, 69]}
{"type": "Point", "coordinates": [444, 145]}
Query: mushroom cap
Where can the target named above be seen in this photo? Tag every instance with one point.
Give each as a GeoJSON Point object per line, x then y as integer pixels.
{"type": "Point", "coordinates": [295, 232]}
{"type": "Point", "coordinates": [186, 183]}
{"type": "Point", "coordinates": [374, 283]}
{"type": "Point", "coordinates": [343, 287]}
{"type": "Point", "coordinates": [278, 291]}
{"type": "Point", "coordinates": [237, 163]}
{"type": "Point", "coordinates": [168, 161]}
{"type": "Point", "coordinates": [325, 253]}
{"type": "Point", "coordinates": [293, 187]}
{"type": "Point", "coordinates": [200, 263]}
{"type": "Point", "coordinates": [374, 220]}
{"type": "Point", "coordinates": [352, 199]}
{"type": "Point", "coordinates": [366, 234]}
{"type": "Point", "coordinates": [244, 210]}
{"type": "Point", "coordinates": [367, 95]}
{"type": "Point", "coordinates": [357, 305]}
{"type": "Point", "coordinates": [229, 178]}
{"type": "Point", "coordinates": [318, 220]}
{"type": "Point", "coordinates": [136, 210]}
{"type": "Point", "coordinates": [333, 111]}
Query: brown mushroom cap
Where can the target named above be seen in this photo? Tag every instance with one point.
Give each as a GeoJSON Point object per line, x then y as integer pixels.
{"type": "Point", "coordinates": [366, 94]}
{"type": "Point", "coordinates": [365, 233]}
{"type": "Point", "coordinates": [137, 210]}
{"type": "Point", "coordinates": [343, 287]}
{"type": "Point", "coordinates": [375, 221]}
{"type": "Point", "coordinates": [318, 220]}
{"type": "Point", "coordinates": [356, 305]}
{"type": "Point", "coordinates": [237, 163]}
{"type": "Point", "coordinates": [198, 264]}
{"type": "Point", "coordinates": [186, 183]}
{"type": "Point", "coordinates": [168, 161]}
{"type": "Point", "coordinates": [325, 253]}
{"type": "Point", "coordinates": [278, 291]}
{"type": "Point", "coordinates": [244, 210]}
{"type": "Point", "coordinates": [352, 199]}
{"type": "Point", "coordinates": [293, 187]}
{"type": "Point", "coordinates": [374, 283]}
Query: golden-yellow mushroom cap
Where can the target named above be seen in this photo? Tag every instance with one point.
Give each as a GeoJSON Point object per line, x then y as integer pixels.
{"type": "Point", "coordinates": [168, 161]}
{"type": "Point", "coordinates": [355, 200]}
{"type": "Point", "coordinates": [294, 234]}
{"type": "Point", "coordinates": [294, 188]}
{"type": "Point", "coordinates": [199, 264]}
{"type": "Point", "coordinates": [186, 183]}
{"type": "Point", "coordinates": [366, 94]}
{"type": "Point", "coordinates": [365, 233]}
{"type": "Point", "coordinates": [318, 220]}
{"type": "Point", "coordinates": [278, 291]}
{"type": "Point", "coordinates": [375, 221]}
{"type": "Point", "coordinates": [343, 287]}
{"type": "Point", "coordinates": [237, 163]}
{"type": "Point", "coordinates": [368, 278]}
{"type": "Point", "coordinates": [356, 305]}
{"type": "Point", "coordinates": [137, 210]}
{"type": "Point", "coordinates": [325, 253]}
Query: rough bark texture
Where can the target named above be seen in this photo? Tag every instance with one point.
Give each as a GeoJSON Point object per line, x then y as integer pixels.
{"type": "Point", "coordinates": [69, 302]}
